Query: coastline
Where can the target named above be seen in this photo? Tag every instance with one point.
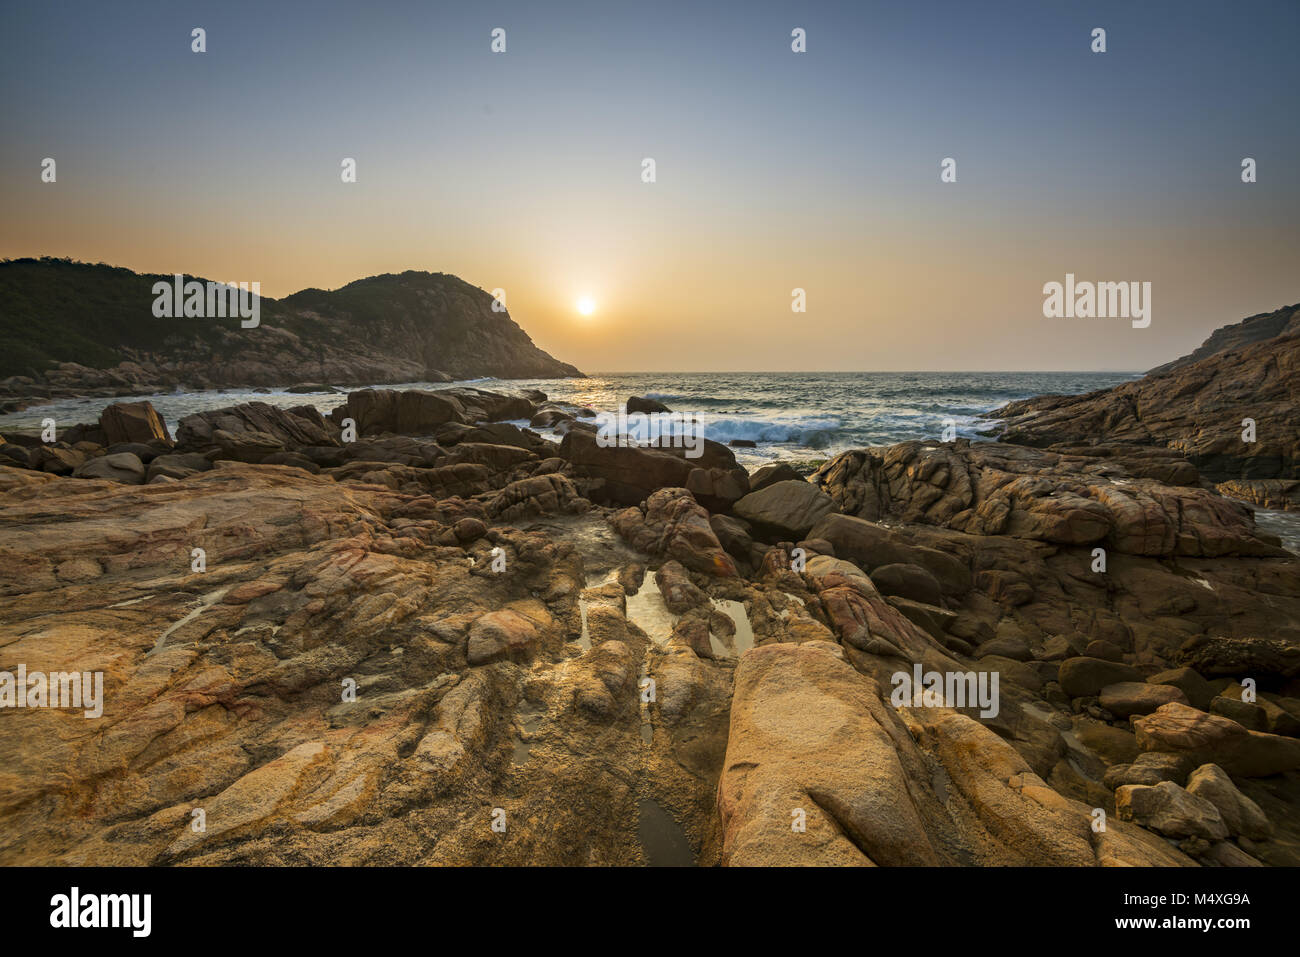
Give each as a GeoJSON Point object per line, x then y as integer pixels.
{"type": "Point", "coordinates": [500, 601]}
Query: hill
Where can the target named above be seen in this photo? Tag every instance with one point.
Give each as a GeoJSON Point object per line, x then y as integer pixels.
{"type": "Point", "coordinates": [89, 328]}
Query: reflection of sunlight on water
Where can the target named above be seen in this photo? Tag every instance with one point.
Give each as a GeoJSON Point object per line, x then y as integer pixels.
{"type": "Point", "coordinates": [646, 609]}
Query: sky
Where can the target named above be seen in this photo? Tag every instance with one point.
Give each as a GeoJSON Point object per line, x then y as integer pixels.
{"type": "Point", "coordinates": [774, 170]}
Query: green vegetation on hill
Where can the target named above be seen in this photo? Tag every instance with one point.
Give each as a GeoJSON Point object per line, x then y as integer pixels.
{"type": "Point", "coordinates": [389, 328]}
{"type": "Point", "coordinates": [57, 310]}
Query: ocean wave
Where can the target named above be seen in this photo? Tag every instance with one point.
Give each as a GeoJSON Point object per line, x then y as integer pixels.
{"type": "Point", "coordinates": [815, 433]}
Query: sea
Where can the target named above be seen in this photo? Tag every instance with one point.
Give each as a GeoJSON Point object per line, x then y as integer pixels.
{"type": "Point", "coordinates": [797, 417]}
{"type": "Point", "coordinates": [790, 416]}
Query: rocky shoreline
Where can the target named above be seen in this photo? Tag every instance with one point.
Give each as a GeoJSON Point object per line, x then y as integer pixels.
{"type": "Point", "coordinates": [1225, 414]}
{"type": "Point", "coordinates": [623, 655]}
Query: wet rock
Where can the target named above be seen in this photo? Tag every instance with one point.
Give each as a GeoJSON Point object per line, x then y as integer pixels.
{"type": "Point", "coordinates": [548, 418]}
{"type": "Point", "coordinates": [640, 403]}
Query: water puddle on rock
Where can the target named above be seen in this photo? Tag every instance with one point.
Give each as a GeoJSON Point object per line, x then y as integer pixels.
{"type": "Point", "coordinates": [646, 609]}
{"type": "Point", "coordinates": [662, 838]}
{"type": "Point", "coordinates": [744, 637]}
{"type": "Point", "coordinates": [940, 782]}
{"type": "Point", "coordinates": [530, 719]}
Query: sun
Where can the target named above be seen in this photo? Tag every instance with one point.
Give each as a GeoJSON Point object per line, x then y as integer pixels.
{"type": "Point", "coordinates": [586, 305]}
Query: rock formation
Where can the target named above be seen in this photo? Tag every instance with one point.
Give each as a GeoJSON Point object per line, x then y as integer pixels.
{"type": "Point", "coordinates": [382, 647]}
{"type": "Point", "coordinates": [1226, 413]}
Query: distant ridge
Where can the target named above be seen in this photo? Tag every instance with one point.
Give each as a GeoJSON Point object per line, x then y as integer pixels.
{"type": "Point", "coordinates": [71, 327]}
{"type": "Point", "coordinates": [1228, 409]}
{"type": "Point", "coordinates": [1257, 328]}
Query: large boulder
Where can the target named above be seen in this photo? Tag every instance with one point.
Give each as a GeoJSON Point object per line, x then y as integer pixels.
{"type": "Point", "coordinates": [250, 432]}
{"type": "Point", "coordinates": [1083, 677]}
{"type": "Point", "coordinates": [785, 509]}
{"type": "Point", "coordinates": [178, 465]}
{"type": "Point", "coordinates": [1214, 739]}
{"type": "Point", "coordinates": [626, 475]}
{"type": "Point", "coordinates": [912, 581]}
{"type": "Point", "coordinates": [640, 403]}
{"type": "Point", "coordinates": [673, 525]}
{"type": "Point", "coordinates": [808, 733]}
{"type": "Point", "coordinates": [538, 495]}
{"type": "Point", "coordinates": [1126, 698]}
{"type": "Point", "coordinates": [57, 459]}
{"type": "Point", "coordinates": [987, 488]}
{"type": "Point", "coordinates": [1242, 816]}
{"type": "Point", "coordinates": [119, 467]}
{"type": "Point", "coordinates": [870, 545]}
{"type": "Point", "coordinates": [1198, 691]}
{"type": "Point", "coordinates": [1167, 808]}
{"type": "Point", "coordinates": [771, 474]}
{"type": "Point", "coordinates": [132, 422]}
{"type": "Point", "coordinates": [410, 412]}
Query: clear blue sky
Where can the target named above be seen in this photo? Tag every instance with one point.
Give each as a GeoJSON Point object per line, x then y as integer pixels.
{"type": "Point", "coordinates": [775, 170]}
